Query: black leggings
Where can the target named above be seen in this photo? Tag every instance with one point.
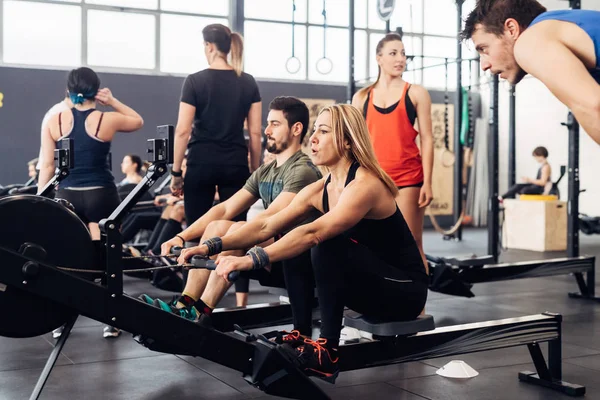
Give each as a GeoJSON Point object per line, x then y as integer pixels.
{"type": "Point", "coordinates": [522, 188]}
{"type": "Point", "coordinates": [164, 230]}
{"type": "Point", "coordinates": [199, 187]}
{"type": "Point", "coordinates": [296, 275]}
{"type": "Point", "coordinates": [92, 205]}
{"type": "Point", "coordinates": [136, 221]}
{"type": "Point", "coordinates": [349, 274]}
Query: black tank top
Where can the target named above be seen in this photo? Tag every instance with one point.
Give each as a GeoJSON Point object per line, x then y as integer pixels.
{"type": "Point", "coordinates": [389, 238]}
{"type": "Point", "coordinates": [91, 155]}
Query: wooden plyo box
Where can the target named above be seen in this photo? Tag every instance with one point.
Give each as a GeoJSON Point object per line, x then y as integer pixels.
{"type": "Point", "coordinates": [535, 225]}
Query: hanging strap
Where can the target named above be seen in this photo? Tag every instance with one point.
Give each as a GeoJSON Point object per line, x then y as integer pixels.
{"type": "Point", "coordinates": [293, 28]}
{"type": "Point", "coordinates": [324, 13]}
{"type": "Point", "coordinates": [99, 123]}
{"type": "Point", "coordinates": [446, 102]}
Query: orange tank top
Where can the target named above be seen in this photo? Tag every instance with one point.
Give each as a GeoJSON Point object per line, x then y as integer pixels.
{"type": "Point", "coordinates": [394, 141]}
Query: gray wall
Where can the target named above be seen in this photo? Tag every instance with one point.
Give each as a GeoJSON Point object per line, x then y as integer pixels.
{"type": "Point", "coordinates": [29, 93]}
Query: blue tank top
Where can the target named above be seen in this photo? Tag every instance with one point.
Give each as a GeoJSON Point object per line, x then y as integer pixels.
{"type": "Point", "coordinates": [587, 20]}
{"type": "Point", "coordinates": [91, 156]}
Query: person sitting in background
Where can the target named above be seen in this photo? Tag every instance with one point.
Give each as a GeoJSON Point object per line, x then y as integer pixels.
{"type": "Point", "coordinates": [131, 166]}
{"type": "Point", "coordinates": [533, 186]}
{"type": "Point", "coordinates": [32, 171]}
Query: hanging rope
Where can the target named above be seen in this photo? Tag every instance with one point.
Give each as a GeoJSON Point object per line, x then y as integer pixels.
{"type": "Point", "coordinates": [324, 64]}
{"type": "Point", "coordinates": [293, 64]}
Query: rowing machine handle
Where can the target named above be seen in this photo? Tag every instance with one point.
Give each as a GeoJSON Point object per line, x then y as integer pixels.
{"type": "Point", "coordinates": [176, 250]}
{"type": "Point", "coordinates": [206, 263]}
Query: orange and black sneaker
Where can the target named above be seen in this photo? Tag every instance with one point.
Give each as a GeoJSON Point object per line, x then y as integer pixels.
{"type": "Point", "coordinates": [318, 359]}
{"type": "Point", "coordinates": [293, 338]}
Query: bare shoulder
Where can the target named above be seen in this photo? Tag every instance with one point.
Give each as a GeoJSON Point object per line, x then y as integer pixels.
{"type": "Point", "coordinates": [529, 41]}
{"type": "Point", "coordinates": [418, 93]}
{"type": "Point", "coordinates": [367, 181]}
{"type": "Point", "coordinates": [312, 194]}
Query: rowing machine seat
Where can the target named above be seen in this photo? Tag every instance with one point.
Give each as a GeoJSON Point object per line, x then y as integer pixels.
{"type": "Point", "coordinates": [389, 328]}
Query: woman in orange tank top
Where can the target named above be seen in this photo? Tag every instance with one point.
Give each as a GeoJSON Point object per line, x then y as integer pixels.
{"type": "Point", "coordinates": [392, 109]}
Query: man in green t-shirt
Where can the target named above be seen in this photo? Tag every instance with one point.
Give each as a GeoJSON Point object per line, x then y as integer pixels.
{"type": "Point", "coordinates": [276, 184]}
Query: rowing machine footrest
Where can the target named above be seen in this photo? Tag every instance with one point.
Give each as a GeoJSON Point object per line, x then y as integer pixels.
{"type": "Point", "coordinates": [390, 328]}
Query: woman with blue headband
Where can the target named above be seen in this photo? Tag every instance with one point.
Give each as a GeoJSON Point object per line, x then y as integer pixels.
{"type": "Point", "coordinates": [90, 186]}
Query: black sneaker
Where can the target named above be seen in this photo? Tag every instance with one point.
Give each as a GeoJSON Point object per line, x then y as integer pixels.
{"type": "Point", "coordinates": [293, 338]}
{"type": "Point", "coordinates": [316, 359]}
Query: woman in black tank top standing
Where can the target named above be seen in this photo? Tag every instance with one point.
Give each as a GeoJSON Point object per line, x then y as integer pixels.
{"type": "Point", "coordinates": [215, 102]}
{"type": "Point", "coordinates": [90, 186]}
{"type": "Point", "coordinates": [363, 253]}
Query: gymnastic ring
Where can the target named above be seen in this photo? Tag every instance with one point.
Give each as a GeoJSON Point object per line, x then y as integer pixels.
{"type": "Point", "coordinates": [293, 64]}
{"type": "Point", "coordinates": [324, 66]}
{"type": "Point", "coordinates": [448, 158]}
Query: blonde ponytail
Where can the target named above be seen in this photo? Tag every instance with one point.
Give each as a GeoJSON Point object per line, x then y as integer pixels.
{"type": "Point", "coordinates": [237, 52]}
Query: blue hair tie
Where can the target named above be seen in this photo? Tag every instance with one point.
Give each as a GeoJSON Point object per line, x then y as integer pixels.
{"type": "Point", "coordinates": [79, 98]}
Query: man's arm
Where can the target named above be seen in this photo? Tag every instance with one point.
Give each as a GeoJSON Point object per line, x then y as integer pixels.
{"type": "Point", "coordinates": [261, 229]}
{"type": "Point", "coordinates": [543, 56]}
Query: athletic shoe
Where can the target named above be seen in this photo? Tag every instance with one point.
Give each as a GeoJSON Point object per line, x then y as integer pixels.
{"type": "Point", "coordinates": [57, 332]}
{"type": "Point", "coordinates": [293, 338]}
{"type": "Point", "coordinates": [190, 312]}
{"type": "Point", "coordinates": [315, 359]}
{"type": "Point", "coordinates": [111, 331]}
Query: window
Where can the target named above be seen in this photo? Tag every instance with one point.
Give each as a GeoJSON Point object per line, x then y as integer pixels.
{"type": "Point", "coordinates": [275, 10]}
{"type": "Point", "coordinates": [440, 18]}
{"type": "Point", "coordinates": [336, 51]}
{"type": "Point", "coordinates": [129, 43]}
{"type": "Point", "coordinates": [435, 75]}
{"type": "Point", "coordinates": [42, 34]}
{"type": "Point", "coordinates": [145, 4]}
{"type": "Point", "coordinates": [183, 56]}
{"type": "Point", "coordinates": [408, 14]}
{"type": "Point", "coordinates": [360, 13]}
{"type": "Point", "coordinates": [268, 46]}
{"type": "Point", "coordinates": [361, 60]}
{"type": "Point", "coordinates": [336, 11]}
{"type": "Point", "coordinates": [210, 7]}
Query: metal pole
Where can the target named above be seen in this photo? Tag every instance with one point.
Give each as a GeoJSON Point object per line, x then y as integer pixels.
{"type": "Point", "coordinates": [351, 88]}
{"type": "Point", "coordinates": [236, 16]}
{"type": "Point", "coordinates": [493, 220]}
{"type": "Point", "coordinates": [387, 26]}
{"type": "Point", "coordinates": [512, 137]}
{"type": "Point", "coordinates": [458, 163]}
{"type": "Point", "coordinates": [573, 202]}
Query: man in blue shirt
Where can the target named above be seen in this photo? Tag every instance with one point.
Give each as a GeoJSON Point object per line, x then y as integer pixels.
{"type": "Point", "coordinates": [560, 48]}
